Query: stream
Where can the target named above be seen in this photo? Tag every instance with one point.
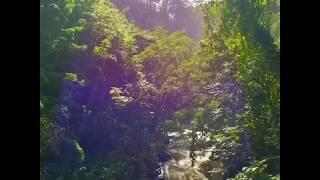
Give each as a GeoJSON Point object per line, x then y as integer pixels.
{"type": "Point", "coordinates": [179, 166]}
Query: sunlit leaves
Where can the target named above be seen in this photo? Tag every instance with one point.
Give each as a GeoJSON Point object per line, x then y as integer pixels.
{"type": "Point", "coordinates": [74, 78]}
{"type": "Point", "coordinates": [111, 23]}
{"type": "Point", "coordinates": [118, 97]}
{"type": "Point", "coordinates": [79, 38]}
{"type": "Point", "coordinates": [71, 77]}
{"type": "Point", "coordinates": [250, 31]}
{"type": "Point", "coordinates": [78, 48]}
{"type": "Point", "coordinates": [41, 105]}
{"type": "Point", "coordinates": [225, 144]}
{"type": "Point", "coordinates": [70, 4]}
{"type": "Point", "coordinates": [275, 28]}
{"type": "Point", "coordinates": [80, 151]}
{"type": "Point", "coordinates": [174, 47]}
{"type": "Point", "coordinates": [256, 171]}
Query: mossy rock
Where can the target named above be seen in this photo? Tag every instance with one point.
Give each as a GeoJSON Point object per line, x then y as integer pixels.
{"type": "Point", "coordinates": [209, 165]}
{"type": "Point", "coordinates": [216, 174]}
{"type": "Point", "coordinates": [211, 169]}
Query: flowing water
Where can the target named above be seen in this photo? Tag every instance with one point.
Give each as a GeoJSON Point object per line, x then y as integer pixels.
{"type": "Point", "coordinates": [179, 167]}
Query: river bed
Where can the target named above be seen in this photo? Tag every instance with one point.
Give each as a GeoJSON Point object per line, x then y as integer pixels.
{"type": "Point", "coordinates": [179, 166]}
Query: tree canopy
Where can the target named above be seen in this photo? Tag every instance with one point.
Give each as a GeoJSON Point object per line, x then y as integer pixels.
{"type": "Point", "coordinates": [117, 76]}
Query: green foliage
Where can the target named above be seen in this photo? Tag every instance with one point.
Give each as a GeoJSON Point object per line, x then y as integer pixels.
{"type": "Point", "coordinates": [161, 59]}
{"type": "Point", "coordinates": [183, 117]}
{"type": "Point", "coordinates": [245, 26]}
{"type": "Point", "coordinates": [110, 24]}
{"type": "Point", "coordinates": [61, 23]}
{"type": "Point", "coordinates": [214, 104]}
{"type": "Point", "coordinates": [106, 169]}
{"type": "Point", "coordinates": [275, 28]}
{"type": "Point", "coordinates": [242, 42]}
{"type": "Point", "coordinates": [155, 71]}
{"type": "Point", "coordinates": [198, 119]}
{"type": "Point", "coordinates": [170, 125]}
{"type": "Point", "coordinates": [68, 29]}
{"type": "Point", "coordinates": [118, 97]}
{"type": "Point", "coordinates": [256, 171]}
{"type": "Point", "coordinates": [71, 77]}
{"type": "Point", "coordinates": [80, 150]}
{"type": "Point", "coordinates": [226, 142]}
{"type": "Point", "coordinates": [46, 135]}
{"type": "Point", "coordinates": [47, 130]}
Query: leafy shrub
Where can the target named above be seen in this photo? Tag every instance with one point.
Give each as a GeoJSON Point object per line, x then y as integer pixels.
{"type": "Point", "coordinates": [170, 125]}
{"type": "Point", "coordinates": [256, 171]}
{"type": "Point", "coordinates": [231, 147]}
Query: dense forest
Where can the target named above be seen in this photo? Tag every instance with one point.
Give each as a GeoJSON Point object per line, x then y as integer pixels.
{"type": "Point", "coordinates": [119, 77]}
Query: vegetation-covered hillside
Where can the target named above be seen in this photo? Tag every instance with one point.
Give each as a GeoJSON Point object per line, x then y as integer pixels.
{"type": "Point", "coordinates": [117, 76]}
